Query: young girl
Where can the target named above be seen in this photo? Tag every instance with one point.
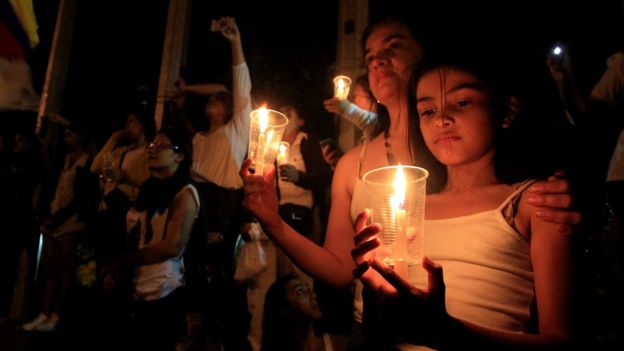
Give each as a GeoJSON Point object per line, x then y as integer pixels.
{"type": "Point", "coordinates": [499, 258]}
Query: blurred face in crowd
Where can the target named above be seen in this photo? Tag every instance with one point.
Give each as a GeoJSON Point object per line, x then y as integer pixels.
{"type": "Point", "coordinates": [216, 110]}
{"type": "Point", "coordinates": [294, 121]}
{"type": "Point", "coordinates": [72, 140]}
{"type": "Point", "coordinates": [22, 144]}
{"type": "Point", "coordinates": [302, 302]}
{"type": "Point", "coordinates": [134, 127]}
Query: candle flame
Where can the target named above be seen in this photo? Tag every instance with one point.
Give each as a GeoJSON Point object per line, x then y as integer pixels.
{"type": "Point", "coordinates": [341, 85]}
{"type": "Point", "coordinates": [399, 187]}
{"type": "Point", "coordinates": [263, 115]}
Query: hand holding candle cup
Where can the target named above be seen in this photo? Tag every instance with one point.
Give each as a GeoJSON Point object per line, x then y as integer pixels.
{"type": "Point", "coordinates": [265, 133]}
{"type": "Point", "coordinates": [396, 197]}
{"type": "Point", "coordinates": [342, 84]}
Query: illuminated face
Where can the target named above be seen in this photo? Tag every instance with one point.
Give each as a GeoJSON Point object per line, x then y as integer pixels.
{"type": "Point", "coordinates": [302, 300]}
{"type": "Point", "coordinates": [162, 153]}
{"type": "Point", "coordinates": [389, 54]}
{"type": "Point", "coordinates": [455, 116]}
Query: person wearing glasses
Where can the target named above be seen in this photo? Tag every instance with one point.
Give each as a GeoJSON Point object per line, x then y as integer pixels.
{"type": "Point", "coordinates": [160, 221]}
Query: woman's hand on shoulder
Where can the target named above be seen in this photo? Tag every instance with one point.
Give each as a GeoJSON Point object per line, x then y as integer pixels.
{"type": "Point", "coordinates": [554, 202]}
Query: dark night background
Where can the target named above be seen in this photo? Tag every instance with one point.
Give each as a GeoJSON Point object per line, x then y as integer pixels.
{"type": "Point", "coordinates": [290, 46]}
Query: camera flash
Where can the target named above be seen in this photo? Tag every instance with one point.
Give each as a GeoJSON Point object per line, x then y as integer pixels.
{"type": "Point", "coordinates": [557, 50]}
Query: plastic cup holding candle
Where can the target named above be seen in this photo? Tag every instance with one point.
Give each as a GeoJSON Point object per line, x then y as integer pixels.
{"type": "Point", "coordinates": [265, 134]}
{"type": "Point", "coordinates": [282, 153]}
{"type": "Point", "coordinates": [342, 84]}
{"type": "Point", "coordinates": [396, 196]}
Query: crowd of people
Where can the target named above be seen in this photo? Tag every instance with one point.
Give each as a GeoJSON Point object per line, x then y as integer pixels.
{"type": "Point", "coordinates": [151, 222]}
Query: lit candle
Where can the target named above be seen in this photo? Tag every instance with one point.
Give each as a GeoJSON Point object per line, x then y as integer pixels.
{"type": "Point", "coordinates": [340, 91]}
{"type": "Point", "coordinates": [398, 210]}
{"type": "Point", "coordinates": [263, 116]}
{"type": "Point", "coordinates": [282, 156]}
{"type": "Point", "coordinates": [342, 85]}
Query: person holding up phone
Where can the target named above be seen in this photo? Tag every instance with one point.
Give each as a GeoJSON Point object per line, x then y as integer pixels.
{"type": "Point", "coordinates": [305, 178]}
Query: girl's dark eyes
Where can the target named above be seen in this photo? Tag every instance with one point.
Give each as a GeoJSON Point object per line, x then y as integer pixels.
{"type": "Point", "coordinates": [427, 112]}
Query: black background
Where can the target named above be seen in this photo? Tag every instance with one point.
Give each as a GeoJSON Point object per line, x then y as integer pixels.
{"type": "Point", "coordinates": [290, 46]}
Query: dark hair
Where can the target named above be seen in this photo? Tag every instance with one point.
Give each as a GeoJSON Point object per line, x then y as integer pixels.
{"type": "Point", "coordinates": [226, 98]}
{"type": "Point", "coordinates": [362, 81]}
{"type": "Point", "coordinates": [417, 33]}
{"type": "Point", "coordinates": [86, 140]}
{"type": "Point", "coordinates": [278, 332]}
{"type": "Point", "coordinates": [503, 82]}
{"type": "Point", "coordinates": [145, 115]}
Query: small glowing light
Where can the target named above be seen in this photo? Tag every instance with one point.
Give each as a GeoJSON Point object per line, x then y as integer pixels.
{"type": "Point", "coordinates": [282, 149]}
{"type": "Point", "coordinates": [263, 115]}
{"type": "Point", "coordinates": [557, 50]}
{"type": "Point", "coordinates": [399, 188]}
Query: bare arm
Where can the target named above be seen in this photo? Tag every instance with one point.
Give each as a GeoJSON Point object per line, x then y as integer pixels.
{"type": "Point", "coordinates": [332, 262]}
{"type": "Point", "coordinates": [111, 143]}
{"type": "Point", "coordinates": [364, 120]}
{"type": "Point", "coordinates": [181, 219]}
{"type": "Point", "coordinates": [554, 202]}
{"type": "Point", "coordinates": [552, 268]}
{"type": "Point", "coordinates": [204, 89]}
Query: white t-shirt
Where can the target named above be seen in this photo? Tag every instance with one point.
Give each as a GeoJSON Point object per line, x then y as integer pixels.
{"type": "Point", "coordinates": [219, 155]}
{"type": "Point", "coordinates": [157, 280]}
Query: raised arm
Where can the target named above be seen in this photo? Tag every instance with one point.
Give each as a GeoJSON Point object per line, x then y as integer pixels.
{"type": "Point", "coordinates": [238, 127]}
{"type": "Point", "coordinates": [111, 143]}
{"type": "Point", "coordinates": [202, 89]}
{"type": "Point", "coordinates": [364, 120]}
